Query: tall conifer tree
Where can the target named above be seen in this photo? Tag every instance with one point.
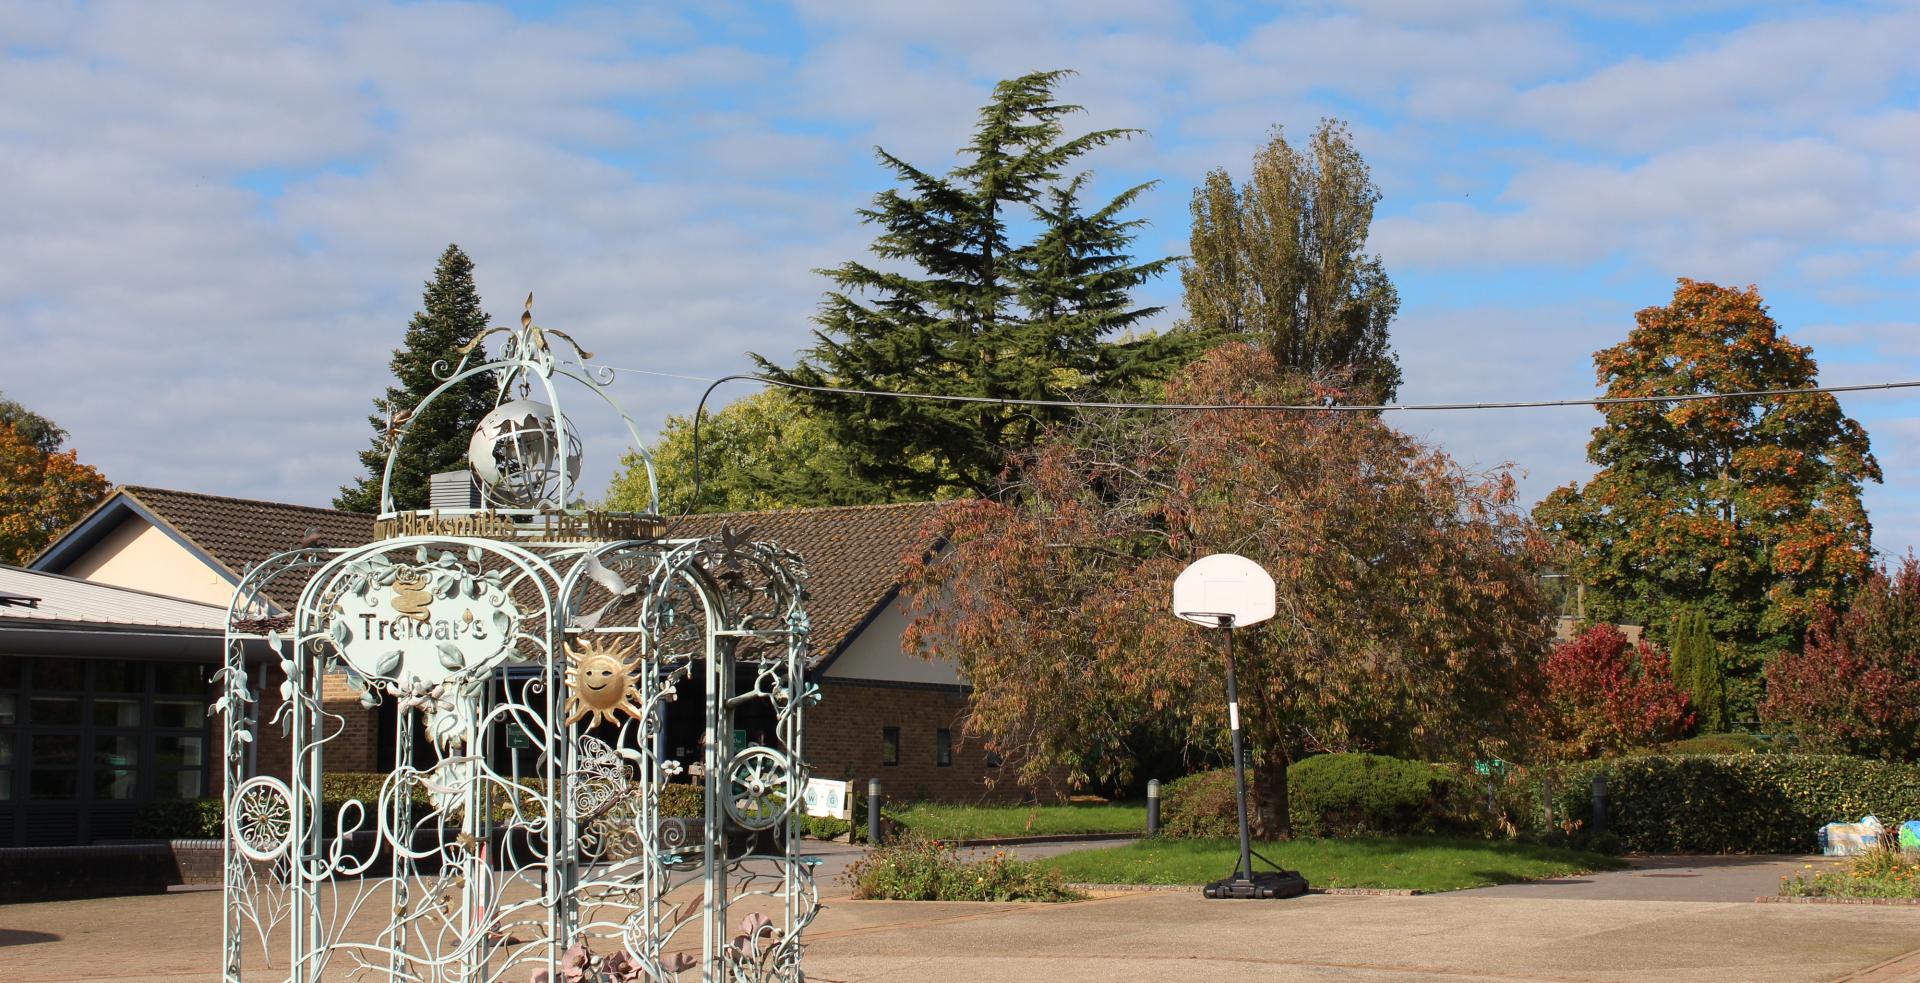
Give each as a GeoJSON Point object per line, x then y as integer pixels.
{"type": "Point", "coordinates": [436, 440]}
{"type": "Point", "coordinates": [962, 304]}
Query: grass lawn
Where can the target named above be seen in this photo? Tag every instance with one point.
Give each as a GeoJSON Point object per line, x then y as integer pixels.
{"type": "Point", "coordinates": [1419, 863]}
{"type": "Point", "coordinates": [959, 822]}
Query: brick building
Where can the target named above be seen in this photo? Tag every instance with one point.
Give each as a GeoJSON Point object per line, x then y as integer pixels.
{"type": "Point", "coordinates": [884, 713]}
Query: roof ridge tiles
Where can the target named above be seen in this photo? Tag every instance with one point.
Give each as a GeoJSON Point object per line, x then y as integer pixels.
{"type": "Point", "coordinates": [136, 491]}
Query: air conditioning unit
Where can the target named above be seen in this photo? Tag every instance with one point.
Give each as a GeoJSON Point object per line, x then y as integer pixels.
{"type": "Point", "coordinates": [453, 490]}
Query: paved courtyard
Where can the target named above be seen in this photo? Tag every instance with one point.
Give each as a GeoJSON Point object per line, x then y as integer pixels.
{"type": "Point", "coordinates": [1680, 919]}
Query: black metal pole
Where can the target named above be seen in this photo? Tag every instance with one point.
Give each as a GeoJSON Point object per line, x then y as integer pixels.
{"type": "Point", "coordinates": [1153, 807]}
{"type": "Point", "coordinates": [873, 812]}
{"type": "Point", "coordinates": [1245, 870]}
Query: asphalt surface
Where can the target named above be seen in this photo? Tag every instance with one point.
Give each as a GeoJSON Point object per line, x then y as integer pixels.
{"type": "Point", "coordinates": [1704, 879]}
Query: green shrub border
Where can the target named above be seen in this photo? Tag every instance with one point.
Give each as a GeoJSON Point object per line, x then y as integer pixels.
{"type": "Point", "coordinates": [1731, 803]}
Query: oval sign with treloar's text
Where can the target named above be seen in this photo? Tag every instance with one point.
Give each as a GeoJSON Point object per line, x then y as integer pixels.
{"type": "Point", "coordinates": [407, 629]}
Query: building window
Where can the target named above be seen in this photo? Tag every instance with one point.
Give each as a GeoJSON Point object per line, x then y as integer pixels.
{"type": "Point", "coordinates": [993, 760]}
{"type": "Point", "coordinates": [890, 746]}
{"type": "Point", "coordinates": [92, 731]}
{"type": "Point", "coordinates": [943, 747]}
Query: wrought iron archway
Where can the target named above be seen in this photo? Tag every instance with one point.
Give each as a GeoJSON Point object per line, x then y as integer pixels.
{"type": "Point", "coordinates": [528, 620]}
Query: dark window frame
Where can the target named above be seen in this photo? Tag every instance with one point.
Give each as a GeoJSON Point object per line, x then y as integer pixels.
{"type": "Point", "coordinates": [889, 746]}
{"type": "Point", "coordinates": [943, 748]}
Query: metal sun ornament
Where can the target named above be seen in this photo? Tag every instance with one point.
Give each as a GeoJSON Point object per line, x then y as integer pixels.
{"type": "Point", "coordinates": [602, 682]}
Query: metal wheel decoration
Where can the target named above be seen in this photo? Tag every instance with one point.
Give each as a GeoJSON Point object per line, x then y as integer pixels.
{"type": "Point", "coordinates": [261, 820]}
{"type": "Point", "coordinates": [526, 827]}
{"type": "Point", "coordinates": [759, 792]}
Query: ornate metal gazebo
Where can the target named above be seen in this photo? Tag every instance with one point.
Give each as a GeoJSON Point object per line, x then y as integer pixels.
{"type": "Point", "coordinates": [525, 622]}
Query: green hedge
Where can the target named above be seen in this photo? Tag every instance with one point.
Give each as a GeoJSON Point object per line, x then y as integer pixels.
{"type": "Point", "coordinates": [1362, 794]}
{"type": "Point", "coordinates": [192, 819]}
{"type": "Point", "coordinates": [1331, 795]}
{"type": "Point", "coordinates": [1733, 803]}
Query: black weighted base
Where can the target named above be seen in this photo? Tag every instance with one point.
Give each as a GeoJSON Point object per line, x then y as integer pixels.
{"type": "Point", "coordinates": [1265, 884]}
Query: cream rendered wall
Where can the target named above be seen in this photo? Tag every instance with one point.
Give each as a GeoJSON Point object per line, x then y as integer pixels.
{"type": "Point", "coordinates": [876, 654]}
{"type": "Point", "coordinates": [136, 554]}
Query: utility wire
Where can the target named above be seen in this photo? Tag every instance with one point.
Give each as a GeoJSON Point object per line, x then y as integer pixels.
{"type": "Point", "coordinates": [1330, 406]}
{"type": "Point", "coordinates": [1271, 407]}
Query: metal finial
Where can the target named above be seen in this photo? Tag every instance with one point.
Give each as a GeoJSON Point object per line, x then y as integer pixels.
{"type": "Point", "coordinates": [526, 316]}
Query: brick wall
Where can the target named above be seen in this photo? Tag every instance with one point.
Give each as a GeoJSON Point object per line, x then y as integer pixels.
{"type": "Point", "coordinates": [844, 740]}
{"type": "Point", "coordinates": [352, 750]}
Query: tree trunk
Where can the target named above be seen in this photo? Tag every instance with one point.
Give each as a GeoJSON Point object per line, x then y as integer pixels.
{"type": "Point", "coordinates": [1267, 796]}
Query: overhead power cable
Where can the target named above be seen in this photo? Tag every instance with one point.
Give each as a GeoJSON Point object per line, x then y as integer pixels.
{"type": "Point", "coordinates": [1334, 406]}
{"type": "Point", "coordinates": [1323, 407]}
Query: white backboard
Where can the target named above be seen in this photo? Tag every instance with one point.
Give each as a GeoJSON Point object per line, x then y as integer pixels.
{"type": "Point", "coordinates": [1223, 584]}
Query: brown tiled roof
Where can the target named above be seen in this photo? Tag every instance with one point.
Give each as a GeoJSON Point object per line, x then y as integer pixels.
{"type": "Point", "coordinates": [853, 553]}
{"type": "Point", "coordinates": [240, 532]}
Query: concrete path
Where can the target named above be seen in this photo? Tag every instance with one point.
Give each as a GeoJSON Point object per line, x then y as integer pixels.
{"type": "Point", "coordinates": [1465, 937]}
{"type": "Point", "coordinates": [1146, 938]}
{"type": "Point", "coordinates": [1709, 878]}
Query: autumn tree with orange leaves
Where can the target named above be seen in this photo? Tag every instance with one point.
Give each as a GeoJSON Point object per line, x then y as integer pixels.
{"type": "Point", "coordinates": [1747, 509]}
{"type": "Point", "coordinates": [42, 491]}
{"type": "Point", "coordinates": [1410, 618]}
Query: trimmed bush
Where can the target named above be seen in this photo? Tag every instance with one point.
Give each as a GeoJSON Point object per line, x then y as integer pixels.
{"type": "Point", "coordinates": [684, 800]}
{"type": "Point", "coordinates": [1717, 744]}
{"type": "Point", "coordinates": [1735, 803]}
{"type": "Point", "coordinates": [1331, 795]}
{"type": "Point", "coordinates": [191, 819]}
{"type": "Point", "coordinates": [1367, 794]}
{"type": "Point", "coordinates": [1200, 806]}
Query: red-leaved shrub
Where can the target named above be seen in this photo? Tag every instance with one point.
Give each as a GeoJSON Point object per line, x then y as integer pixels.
{"type": "Point", "coordinates": [1854, 688]}
{"type": "Point", "coordinates": [1608, 695]}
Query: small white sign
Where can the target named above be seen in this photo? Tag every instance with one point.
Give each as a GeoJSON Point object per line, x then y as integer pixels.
{"type": "Point", "coordinates": [1224, 584]}
{"type": "Point", "coordinates": [828, 799]}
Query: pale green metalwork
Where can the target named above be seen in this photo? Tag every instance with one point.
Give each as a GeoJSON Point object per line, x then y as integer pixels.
{"type": "Point", "coordinates": [453, 871]}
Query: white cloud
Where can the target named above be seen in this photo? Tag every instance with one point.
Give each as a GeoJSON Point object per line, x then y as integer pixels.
{"type": "Point", "coordinates": [1736, 210]}
{"type": "Point", "coordinates": [1768, 78]}
{"type": "Point", "coordinates": [218, 217]}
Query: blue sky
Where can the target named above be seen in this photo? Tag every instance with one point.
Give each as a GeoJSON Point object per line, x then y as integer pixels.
{"type": "Point", "coordinates": [219, 216]}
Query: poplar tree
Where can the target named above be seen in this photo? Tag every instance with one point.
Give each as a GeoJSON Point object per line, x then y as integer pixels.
{"type": "Point", "coordinates": [436, 439]}
{"type": "Point", "coordinates": [1281, 261]}
{"type": "Point", "coordinates": [961, 302]}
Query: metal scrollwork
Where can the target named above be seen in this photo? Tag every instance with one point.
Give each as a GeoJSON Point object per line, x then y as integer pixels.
{"type": "Point", "coordinates": [531, 821]}
{"type": "Point", "coordinates": [261, 820]}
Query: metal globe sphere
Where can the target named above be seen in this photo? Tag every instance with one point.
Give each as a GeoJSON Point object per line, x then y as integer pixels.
{"type": "Point", "coordinates": [519, 455]}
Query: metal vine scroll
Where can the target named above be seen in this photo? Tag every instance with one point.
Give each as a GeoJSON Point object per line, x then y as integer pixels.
{"type": "Point", "coordinates": [525, 631]}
